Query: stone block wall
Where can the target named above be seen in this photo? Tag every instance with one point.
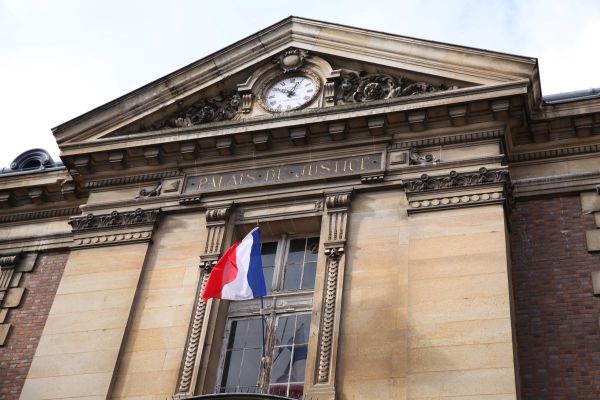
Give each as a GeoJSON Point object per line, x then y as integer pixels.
{"type": "Point", "coordinates": [28, 321]}
{"type": "Point", "coordinates": [557, 314]}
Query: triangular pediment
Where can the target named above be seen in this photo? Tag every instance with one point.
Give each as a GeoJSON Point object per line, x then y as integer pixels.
{"type": "Point", "coordinates": [349, 66]}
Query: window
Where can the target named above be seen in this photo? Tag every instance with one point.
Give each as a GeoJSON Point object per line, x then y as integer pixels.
{"type": "Point", "coordinates": [289, 265]}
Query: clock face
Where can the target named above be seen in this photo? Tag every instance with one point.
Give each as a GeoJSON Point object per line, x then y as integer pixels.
{"type": "Point", "coordinates": [290, 93]}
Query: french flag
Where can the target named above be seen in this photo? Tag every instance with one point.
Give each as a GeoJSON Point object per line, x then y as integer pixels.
{"type": "Point", "coordinates": [238, 275]}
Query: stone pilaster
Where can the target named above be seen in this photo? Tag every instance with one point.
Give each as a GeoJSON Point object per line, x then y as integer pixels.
{"type": "Point", "coordinates": [216, 222]}
{"type": "Point", "coordinates": [336, 221]}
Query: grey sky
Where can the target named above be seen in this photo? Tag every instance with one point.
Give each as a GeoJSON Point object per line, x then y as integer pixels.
{"type": "Point", "coordinates": [59, 59]}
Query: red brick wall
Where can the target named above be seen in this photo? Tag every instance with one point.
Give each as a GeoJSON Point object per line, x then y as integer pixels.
{"type": "Point", "coordinates": [28, 322]}
{"type": "Point", "coordinates": [556, 312]}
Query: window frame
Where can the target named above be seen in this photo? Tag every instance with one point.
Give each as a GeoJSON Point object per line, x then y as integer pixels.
{"type": "Point", "coordinates": [277, 303]}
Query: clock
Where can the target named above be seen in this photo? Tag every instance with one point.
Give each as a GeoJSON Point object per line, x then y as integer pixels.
{"type": "Point", "coordinates": [290, 92]}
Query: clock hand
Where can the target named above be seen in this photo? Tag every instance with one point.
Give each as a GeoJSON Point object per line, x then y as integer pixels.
{"type": "Point", "coordinates": [282, 90]}
{"type": "Point", "coordinates": [293, 91]}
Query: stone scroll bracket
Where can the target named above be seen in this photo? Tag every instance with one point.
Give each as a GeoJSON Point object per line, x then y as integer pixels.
{"type": "Point", "coordinates": [336, 222]}
{"type": "Point", "coordinates": [216, 224]}
{"type": "Point", "coordinates": [457, 190]}
{"type": "Point", "coordinates": [12, 268]}
{"type": "Point", "coordinates": [115, 228]}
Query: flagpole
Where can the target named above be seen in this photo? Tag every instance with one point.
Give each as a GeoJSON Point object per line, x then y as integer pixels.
{"type": "Point", "coordinates": [262, 318]}
{"type": "Point", "coordinates": [263, 380]}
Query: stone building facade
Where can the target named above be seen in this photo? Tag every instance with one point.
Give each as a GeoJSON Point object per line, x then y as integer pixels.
{"type": "Point", "coordinates": [430, 229]}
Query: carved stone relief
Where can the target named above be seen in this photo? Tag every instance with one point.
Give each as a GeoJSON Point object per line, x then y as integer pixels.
{"type": "Point", "coordinates": [419, 157]}
{"type": "Point", "coordinates": [219, 108]}
{"type": "Point", "coordinates": [114, 228]}
{"type": "Point", "coordinates": [457, 190]}
{"type": "Point", "coordinates": [357, 87]}
{"type": "Point", "coordinates": [342, 86]}
{"type": "Point", "coordinates": [455, 179]}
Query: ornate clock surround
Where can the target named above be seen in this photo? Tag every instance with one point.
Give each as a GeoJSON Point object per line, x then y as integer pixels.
{"type": "Point", "coordinates": [264, 88]}
{"type": "Point", "coordinates": [292, 62]}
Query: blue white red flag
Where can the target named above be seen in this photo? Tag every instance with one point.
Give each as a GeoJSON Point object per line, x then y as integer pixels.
{"type": "Point", "coordinates": [238, 275]}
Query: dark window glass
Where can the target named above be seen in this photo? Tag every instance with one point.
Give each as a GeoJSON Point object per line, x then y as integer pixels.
{"type": "Point", "coordinates": [293, 276]}
{"type": "Point", "coordinates": [267, 252]}
{"type": "Point", "coordinates": [242, 359]}
{"type": "Point", "coordinates": [301, 264]}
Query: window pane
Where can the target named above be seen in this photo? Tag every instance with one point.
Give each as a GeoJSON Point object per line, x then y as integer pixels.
{"type": "Point", "coordinates": [254, 336]}
{"type": "Point", "coordinates": [249, 372]}
{"type": "Point", "coordinates": [302, 329]}
{"type": "Point", "coordinates": [293, 274]}
{"type": "Point", "coordinates": [268, 271]}
{"type": "Point", "coordinates": [237, 334]}
{"type": "Point", "coordinates": [296, 253]}
{"type": "Point", "coordinates": [312, 250]}
{"type": "Point", "coordinates": [267, 252]}
{"type": "Point", "coordinates": [285, 331]}
{"type": "Point", "coordinates": [308, 279]}
{"type": "Point", "coordinates": [299, 363]}
{"type": "Point", "coordinates": [231, 370]}
{"type": "Point", "coordinates": [280, 370]}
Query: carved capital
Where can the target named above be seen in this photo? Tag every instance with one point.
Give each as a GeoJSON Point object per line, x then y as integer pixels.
{"type": "Point", "coordinates": [220, 214]}
{"type": "Point", "coordinates": [338, 200]}
{"type": "Point", "coordinates": [334, 253]}
{"type": "Point", "coordinates": [9, 262]}
{"type": "Point", "coordinates": [207, 262]}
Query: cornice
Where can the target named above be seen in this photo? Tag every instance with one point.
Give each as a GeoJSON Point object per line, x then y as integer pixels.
{"type": "Point", "coordinates": [554, 152]}
{"type": "Point", "coordinates": [130, 179]}
{"type": "Point", "coordinates": [58, 212]}
{"type": "Point", "coordinates": [572, 182]}
{"type": "Point", "coordinates": [450, 139]}
{"type": "Point", "coordinates": [295, 119]}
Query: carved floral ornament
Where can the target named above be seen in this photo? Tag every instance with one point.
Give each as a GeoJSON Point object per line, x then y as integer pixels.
{"type": "Point", "coordinates": [455, 179]}
{"type": "Point", "coordinates": [115, 219]}
{"type": "Point", "coordinates": [349, 87]}
{"type": "Point", "coordinates": [359, 87]}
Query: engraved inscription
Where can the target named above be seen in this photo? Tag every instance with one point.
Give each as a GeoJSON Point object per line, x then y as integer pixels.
{"type": "Point", "coordinates": [285, 173]}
